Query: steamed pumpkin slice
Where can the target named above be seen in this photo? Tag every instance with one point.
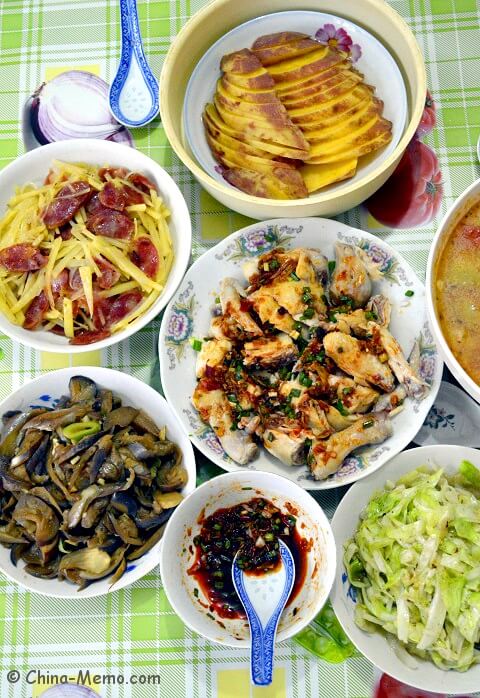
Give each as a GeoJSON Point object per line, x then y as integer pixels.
{"type": "Point", "coordinates": [253, 117]}
{"type": "Point", "coordinates": [273, 48]}
{"type": "Point", "coordinates": [214, 122]}
{"type": "Point", "coordinates": [283, 133]}
{"type": "Point", "coordinates": [318, 176]}
{"type": "Point", "coordinates": [305, 66]}
{"type": "Point", "coordinates": [350, 139]}
{"type": "Point", "coordinates": [232, 157]}
{"type": "Point", "coordinates": [280, 183]}
{"type": "Point", "coordinates": [236, 92]}
{"type": "Point", "coordinates": [356, 151]}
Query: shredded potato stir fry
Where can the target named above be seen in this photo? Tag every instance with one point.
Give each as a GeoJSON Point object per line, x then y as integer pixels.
{"type": "Point", "coordinates": [97, 272]}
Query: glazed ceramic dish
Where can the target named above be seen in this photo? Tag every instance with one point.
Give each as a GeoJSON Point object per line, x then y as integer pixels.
{"type": "Point", "coordinates": [45, 391]}
{"type": "Point", "coordinates": [461, 206]}
{"type": "Point", "coordinates": [411, 670]}
{"type": "Point", "coordinates": [221, 16]}
{"type": "Point", "coordinates": [189, 313]}
{"type": "Point", "coordinates": [375, 63]}
{"type": "Point", "coordinates": [226, 491]}
{"type": "Point", "coordinates": [33, 167]}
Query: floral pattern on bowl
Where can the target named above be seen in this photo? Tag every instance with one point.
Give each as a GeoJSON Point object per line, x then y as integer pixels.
{"type": "Point", "coordinates": [339, 39]}
{"type": "Point", "coordinates": [177, 357]}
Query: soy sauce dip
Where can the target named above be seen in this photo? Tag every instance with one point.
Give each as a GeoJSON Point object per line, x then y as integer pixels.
{"type": "Point", "coordinates": [254, 528]}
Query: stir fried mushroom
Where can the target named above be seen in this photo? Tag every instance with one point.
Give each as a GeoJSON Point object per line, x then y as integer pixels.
{"type": "Point", "coordinates": [86, 486]}
{"type": "Point", "coordinates": [303, 355]}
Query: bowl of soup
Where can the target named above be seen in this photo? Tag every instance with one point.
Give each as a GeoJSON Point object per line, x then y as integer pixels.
{"type": "Point", "coordinates": [453, 289]}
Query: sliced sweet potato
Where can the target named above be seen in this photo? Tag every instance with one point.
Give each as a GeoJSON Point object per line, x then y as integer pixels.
{"type": "Point", "coordinates": [283, 184]}
{"type": "Point", "coordinates": [318, 176]}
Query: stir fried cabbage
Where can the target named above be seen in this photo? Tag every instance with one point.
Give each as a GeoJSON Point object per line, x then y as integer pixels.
{"type": "Point", "coordinates": [415, 562]}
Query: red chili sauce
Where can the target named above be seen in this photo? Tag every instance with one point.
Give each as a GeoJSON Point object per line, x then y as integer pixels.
{"type": "Point", "coordinates": [254, 528]}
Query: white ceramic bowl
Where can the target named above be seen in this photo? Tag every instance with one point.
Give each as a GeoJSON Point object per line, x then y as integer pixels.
{"type": "Point", "coordinates": [190, 312]}
{"type": "Point", "coordinates": [448, 222]}
{"type": "Point", "coordinates": [225, 491]}
{"type": "Point", "coordinates": [43, 391]}
{"type": "Point", "coordinates": [376, 64]}
{"type": "Point", "coordinates": [34, 166]}
{"type": "Point", "coordinates": [420, 673]}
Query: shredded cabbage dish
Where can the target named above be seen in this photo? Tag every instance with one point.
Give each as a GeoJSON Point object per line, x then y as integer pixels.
{"type": "Point", "coordinates": [85, 254]}
{"type": "Point", "coordinates": [415, 562]}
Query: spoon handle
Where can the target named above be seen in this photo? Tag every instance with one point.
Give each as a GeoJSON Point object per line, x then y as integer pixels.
{"type": "Point", "coordinates": [130, 26]}
{"type": "Point", "coordinates": [262, 640]}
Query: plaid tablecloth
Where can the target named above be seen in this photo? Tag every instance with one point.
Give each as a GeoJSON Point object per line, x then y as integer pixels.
{"type": "Point", "coordinates": [132, 637]}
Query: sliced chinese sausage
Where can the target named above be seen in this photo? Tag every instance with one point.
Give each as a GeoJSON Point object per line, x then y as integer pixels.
{"type": "Point", "coordinates": [66, 204]}
{"type": "Point", "coordinates": [109, 275]}
{"type": "Point", "coordinates": [94, 205]}
{"type": "Point", "coordinates": [145, 257]}
{"type": "Point", "coordinates": [22, 257]}
{"type": "Point", "coordinates": [111, 224]}
{"type": "Point", "coordinates": [90, 336]}
{"type": "Point", "coordinates": [133, 196]}
{"type": "Point", "coordinates": [112, 172]}
{"type": "Point", "coordinates": [113, 197]}
{"type": "Point", "coordinates": [111, 310]}
{"type": "Point", "coordinates": [35, 312]}
{"type": "Point", "coordinates": [60, 283]}
{"type": "Point", "coordinates": [141, 182]}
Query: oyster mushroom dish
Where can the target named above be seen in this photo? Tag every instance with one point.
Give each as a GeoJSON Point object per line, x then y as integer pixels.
{"type": "Point", "coordinates": [86, 487]}
{"type": "Point", "coordinates": [302, 360]}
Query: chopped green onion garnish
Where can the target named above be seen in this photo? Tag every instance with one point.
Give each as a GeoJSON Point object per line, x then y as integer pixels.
{"type": "Point", "coordinates": [369, 423]}
{"type": "Point", "coordinates": [295, 392]}
{"type": "Point", "coordinates": [196, 344]}
{"type": "Point", "coordinates": [347, 391]}
{"type": "Point", "coordinates": [341, 408]}
{"type": "Point", "coordinates": [409, 293]}
{"type": "Point", "coordinates": [320, 357]}
{"type": "Point", "coordinates": [268, 536]}
{"type": "Point", "coordinates": [270, 436]}
{"type": "Point", "coordinates": [370, 315]}
{"type": "Point", "coordinates": [331, 266]}
{"type": "Point", "coordinates": [294, 277]}
{"type": "Point", "coordinates": [303, 379]}
{"type": "Point", "coordinates": [308, 313]}
{"type": "Point", "coordinates": [232, 398]}
{"type": "Point", "coordinates": [195, 592]}
{"type": "Point", "coordinates": [217, 299]}
{"type": "Point", "coordinates": [274, 264]}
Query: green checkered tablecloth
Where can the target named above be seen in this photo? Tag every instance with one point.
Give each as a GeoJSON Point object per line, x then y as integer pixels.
{"type": "Point", "coordinates": [133, 635]}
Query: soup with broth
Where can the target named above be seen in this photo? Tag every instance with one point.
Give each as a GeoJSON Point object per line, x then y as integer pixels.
{"type": "Point", "coordinates": [457, 291]}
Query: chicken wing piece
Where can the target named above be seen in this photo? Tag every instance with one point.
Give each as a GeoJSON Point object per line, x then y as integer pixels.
{"type": "Point", "coordinates": [350, 278]}
{"type": "Point", "coordinates": [270, 352]}
{"type": "Point", "coordinates": [313, 418]}
{"type": "Point", "coordinates": [284, 439]}
{"type": "Point", "coordinates": [237, 322]}
{"type": "Point", "coordinates": [415, 386]}
{"type": "Point", "coordinates": [326, 457]}
{"type": "Point", "coordinates": [336, 419]}
{"type": "Point", "coordinates": [212, 354]}
{"type": "Point", "coordinates": [366, 368]}
{"type": "Point", "coordinates": [391, 401]}
{"type": "Point", "coordinates": [381, 308]}
{"type": "Point", "coordinates": [355, 398]}
{"type": "Point", "coordinates": [269, 310]}
{"type": "Point", "coordinates": [215, 409]}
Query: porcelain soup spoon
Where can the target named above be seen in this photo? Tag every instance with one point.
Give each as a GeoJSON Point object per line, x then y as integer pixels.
{"type": "Point", "coordinates": [134, 90]}
{"type": "Point", "coordinates": [264, 597]}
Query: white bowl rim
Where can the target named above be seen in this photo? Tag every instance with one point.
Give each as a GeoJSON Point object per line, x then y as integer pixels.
{"type": "Point", "coordinates": [196, 74]}
{"type": "Point", "coordinates": [336, 591]}
{"type": "Point", "coordinates": [218, 187]}
{"type": "Point", "coordinates": [460, 207]}
{"type": "Point", "coordinates": [330, 554]}
{"type": "Point", "coordinates": [187, 451]}
{"type": "Point", "coordinates": [180, 262]}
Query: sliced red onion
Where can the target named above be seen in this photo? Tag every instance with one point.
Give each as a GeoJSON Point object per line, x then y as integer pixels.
{"type": "Point", "coordinates": [74, 104]}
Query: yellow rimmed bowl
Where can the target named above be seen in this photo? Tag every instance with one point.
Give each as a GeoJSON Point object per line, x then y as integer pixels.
{"type": "Point", "coordinates": [219, 17]}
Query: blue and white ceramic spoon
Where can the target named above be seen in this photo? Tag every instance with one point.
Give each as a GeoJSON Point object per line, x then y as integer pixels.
{"type": "Point", "coordinates": [134, 90]}
{"type": "Point", "coordinates": [264, 598]}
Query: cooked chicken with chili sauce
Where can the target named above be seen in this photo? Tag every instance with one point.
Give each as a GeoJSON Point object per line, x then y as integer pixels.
{"type": "Point", "coordinates": [301, 360]}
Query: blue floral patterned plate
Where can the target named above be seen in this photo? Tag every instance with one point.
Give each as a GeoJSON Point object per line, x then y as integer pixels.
{"type": "Point", "coordinates": [189, 313]}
